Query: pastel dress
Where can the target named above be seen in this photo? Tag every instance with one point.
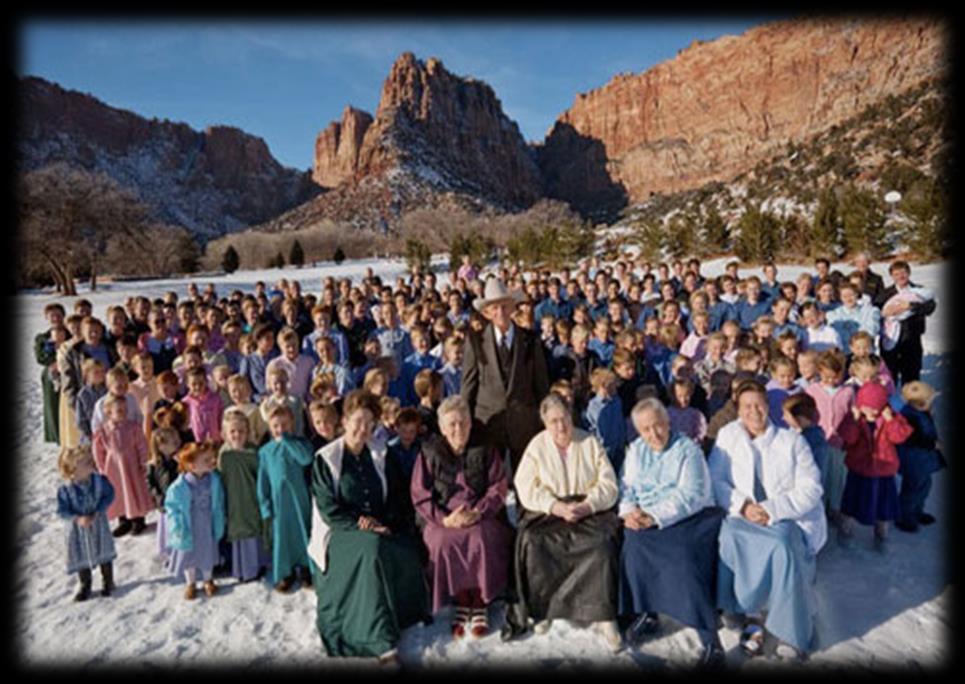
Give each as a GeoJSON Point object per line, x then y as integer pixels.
{"type": "Point", "coordinates": [120, 452]}
{"type": "Point", "coordinates": [247, 532]}
{"type": "Point", "coordinates": [284, 499]}
{"type": "Point", "coordinates": [160, 477]}
{"type": "Point", "coordinates": [195, 510]}
{"type": "Point", "coordinates": [46, 355]}
{"type": "Point", "coordinates": [204, 415]}
{"type": "Point", "coordinates": [87, 547]}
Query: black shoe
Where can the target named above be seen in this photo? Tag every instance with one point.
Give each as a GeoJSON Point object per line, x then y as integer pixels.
{"type": "Point", "coordinates": [906, 526]}
{"type": "Point", "coordinates": [712, 657]}
{"type": "Point", "coordinates": [510, 631]}
{"type": "Point", "coordinates": [137, 526]}
{"type": "Point", "coordinates": [123, 528]}
{"type": "Point", "coordinates": [85, 580]}
{"type": "Point", "coordinates": [646, 624]}
{"type": "Point", "coordinates": [926, 518]}
{"type": "Point", "coordinates": [107, 579]}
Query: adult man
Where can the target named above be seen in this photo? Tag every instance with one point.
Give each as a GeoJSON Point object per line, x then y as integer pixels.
{"type": "Point", "coordinates": [904, 307]}
{"type": "Point", "coordinates": [504, 374]}
{"type": "Point", "coordinates": [554, 304]}
{"type": "Point", "coordinates": [753, 305]}
{"type": "Point", "coordinates": [874, 284]}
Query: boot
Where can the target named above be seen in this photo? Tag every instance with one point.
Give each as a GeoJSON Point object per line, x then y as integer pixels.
{"type": "Point", "coordinates": [210, 588]}
{"type": "Point", "coordinates": [305, 575]}
{"type": "Point", "coordinates": [107, 578]}
{"type": "Point", "coordinates": [123, 528]}
{"type": "Point", "coordinates": [85, 580]}
{"type": "Point", "coordinates": [137, 526]}
{"type": "Point", "coordinates": [285, 584]}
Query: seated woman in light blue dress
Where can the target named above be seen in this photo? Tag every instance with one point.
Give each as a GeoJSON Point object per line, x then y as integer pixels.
{"type": "Point", "coordinates": [668, 561]}
{"type": "Point", "coordinates": [766, 479]}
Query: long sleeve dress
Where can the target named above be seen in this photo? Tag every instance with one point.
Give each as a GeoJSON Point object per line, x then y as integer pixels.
{"type": "Point", "coordinates": [120, 452]}
{"type": "Point", "coordinates": [369, 586]}
{"type": "Point", "coordinates": [46, 355]}
{"type": "Point", "coordinates": [468, 557]}
{"type": "Point", "coordinates": [87, 547]}
{"type": "Point", "coordinates": [283, 497]}
{"type": "Point", "coordinates": [247, 532]}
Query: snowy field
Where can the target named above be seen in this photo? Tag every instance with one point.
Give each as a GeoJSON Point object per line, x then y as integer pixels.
{"type": "Point", "coordinates": [874, 611]}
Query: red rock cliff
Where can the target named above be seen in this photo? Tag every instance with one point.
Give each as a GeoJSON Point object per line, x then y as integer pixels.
{"type": "Point", "coordinates": [719, 107]}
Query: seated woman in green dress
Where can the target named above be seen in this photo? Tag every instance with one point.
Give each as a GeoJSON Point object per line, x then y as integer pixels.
{"type": "Point", "coordinates": [366, 559]}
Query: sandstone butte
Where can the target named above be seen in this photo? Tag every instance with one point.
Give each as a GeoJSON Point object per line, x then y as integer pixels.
{"type": "Point", "coordinates": [719, 107]}
{"type": "Point", "coordinates": [436, 125]}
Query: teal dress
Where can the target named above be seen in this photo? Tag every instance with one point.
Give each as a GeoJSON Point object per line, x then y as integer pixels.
{"type": "Point", "coordinates": [283, 497]}
{"type": "Point", "coordinates": [374, 585]}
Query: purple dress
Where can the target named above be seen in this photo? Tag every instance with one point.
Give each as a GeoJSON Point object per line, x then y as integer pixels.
{"type": "Point", "coordinates": [464, 558]}
{"type": "Point", "coordinates": [204, 550]}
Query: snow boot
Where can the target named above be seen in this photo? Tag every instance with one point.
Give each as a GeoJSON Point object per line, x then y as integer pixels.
{"type": "Point", "coordinates": [85, 581]}
{"type": "Point", "coordinates": [107, 578]}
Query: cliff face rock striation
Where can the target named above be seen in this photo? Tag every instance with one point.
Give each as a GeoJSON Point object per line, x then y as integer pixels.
{"type": "Point", "coordinates": [210, 182]}
{"type": "Point", "coordinates": [441, 132]}
{"type": "Point", "coordinates": [720, 107]}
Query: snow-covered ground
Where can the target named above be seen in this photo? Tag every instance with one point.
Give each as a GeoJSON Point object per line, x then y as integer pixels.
{"type": "Point", "coordinates": [874, 611]}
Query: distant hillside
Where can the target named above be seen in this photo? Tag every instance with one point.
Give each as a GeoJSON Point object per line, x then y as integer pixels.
{"type": "Point", "coordinates": [211, 182]}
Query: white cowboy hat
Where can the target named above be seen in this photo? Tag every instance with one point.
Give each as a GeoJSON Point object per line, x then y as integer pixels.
{"type": "Point", "coordinates": [496, 291]}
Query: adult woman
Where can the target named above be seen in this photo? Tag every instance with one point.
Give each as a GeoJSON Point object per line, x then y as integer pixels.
{"type": "Point", "coordinates": [766, 478]}
{"type": "Point", "coordinates": [367, 570]}
{"type": "Point", "coordinates": [566, 544]}
{"type": "Point", "coordinates": [459, 489]}
{"type": "Point", "coordinates": [668, 561]}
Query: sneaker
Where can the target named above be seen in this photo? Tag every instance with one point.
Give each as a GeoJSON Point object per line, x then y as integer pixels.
{"type": "Point", "coordinates": [608, 629]}
{"type": "Point", "coordinates": [543, 626]}
{"type": "Point", "coordinates": [752, 640]}
{"type": "Point", "coordinates": [123, 528]}
{"type": "Point", "coordinates": [479, 623]}
{"type": "Point", "coordinates": [926, 519]}
{"type": "Point", "coordinates": [190, 592]}
{"type": "Point", "coordinates": [646, 624]}
{"type": "Point", "coordinates": [712, 657]}
{"type": "Point", "coordinates": [210, 588]}
{"type": "Point", "coordinates": [905, 526]}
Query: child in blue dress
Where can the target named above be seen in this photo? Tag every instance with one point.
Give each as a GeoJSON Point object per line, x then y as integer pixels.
{"type": "Point", "coordinates": [83, 503]}
{"type": "Point", "coordinates": [195, 509]}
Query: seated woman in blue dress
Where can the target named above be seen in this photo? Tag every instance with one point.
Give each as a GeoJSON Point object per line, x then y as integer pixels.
{"type": "Point", "coordinates": [668, 562]}
{"type": "Point", "coordinates": [766, 479]}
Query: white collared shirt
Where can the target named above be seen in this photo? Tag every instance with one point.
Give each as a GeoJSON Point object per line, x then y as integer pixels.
{"type": "Point", "coordinates": [509, 335]}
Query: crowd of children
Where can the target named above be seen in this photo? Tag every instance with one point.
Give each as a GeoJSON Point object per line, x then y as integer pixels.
{"type": "Point", "coordinates": [208, 411]}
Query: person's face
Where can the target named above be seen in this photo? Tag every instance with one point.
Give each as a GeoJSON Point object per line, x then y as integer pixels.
{"type": "Point", "coordinates": [900, 276]}
{"type": "Point", "coordinates": [866, 374]}
{"type": "Point", "coordinates": [770, 273]}
{"type": "Point", "coordinates": [821, 268]}
{"type": "Point", "coordinates": [203, 464]}
{"type": "Point", "coordinates": [559, 423]}
{"type": "Point", "coordinates": [279, 425]}
{"type": "Point", "coordinates": [420, 343]}
{"type": "Point", "coordinates": [236, 433]}
{"type": "Point", "coordinates": [158, 324]}
{"type": "Point", "coordinates": [185, 316]}
{"type": "Point", "coordinates": [681, 394]}
{"type": "Point", "coordinates": [169, 390]}
{"type": "Point", "coordinates": [848, 297]}
{"type": "Point", "coordinates": [788, 348]}
{"type": "Point", "coordinates": [781, 310]}
{"type": "Point", "coordinates": [701, 325]}
{"type": "Point", "coordinates": [764, 330]}
{"type": "Point", "coordinates": [212, 318]}
{"type": "Point", "coordinates": [546, 326]}
{"type": "Point", "coordinates": [500, 313]}
{"type": "Point", "coordinates": [117, 412]}
{"type": "Point", "coordinates": [752, 411]}
{"type": "Point", "coordinates": [117, 320]}
{"type": "Point", "coordinates": [196, 386]}
{"type": "Point", "coordinates": [624, 370]}
{"type": "Point", "coordinates": [358, 426]}
{"type": "Point", "coordinates": [825, 292]}
{"type": "Point", "coordinates": [579, 344]}
{"type": "Point", "coordinates": [126, 353]}
{"type": "Point", "coordinates": [829, 376]}
{"type": "Point", "coordinates": [93, 335]}
{"type": "Point", "coordinates": [83, 468]}
{"type": "Point", "coordinates": [455, 427]}
{"type": "Point", "coordinates": [753, 291]}
{"type": "Point", "coordinates": [784, 376]}
{"type": "Point", "coordinates": [324, 424]}
{"type": "Point", "coordinates": [346, 316]}
{"type": "Point", "coordinates": [221, 378]}
{"type": "Point", "coordinates": [806, 367]}
{"type": "Point", "coordinates": [860, 346]}
{"type": "Point", "coordinates": [752, 364]}
{"type": "Point", "coordinates": [193, 361]}
{"type": "Point", "coordinates": [55, 318]}
{"type": "Point", "coordinates": [278, 384]}
{"type": "Point", "coordinates": [811, 317]}
{"type": "Point", "coordinates": [289, 348]}
{"type": "Point", "coordinates": [653, 428]}
{"type": "Point", "coordinates": [144, 365]}
{"type": "Point", "coordinates": [870, 414]}
{"type": "Point", "coordinates": [715, 348]}
{"type": "Point", "coordinates": [239, 393]}
{"type": "Point", "coordinates": [264, 344]}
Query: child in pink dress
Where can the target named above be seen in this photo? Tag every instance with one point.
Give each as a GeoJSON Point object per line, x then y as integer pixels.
{"type": "Point", "coordinates": [120, 451]}
{"type": "Point", "coordinates": [204, 407]}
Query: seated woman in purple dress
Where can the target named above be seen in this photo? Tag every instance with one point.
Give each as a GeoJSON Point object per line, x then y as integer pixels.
{"type": "Point", "coordinates": [459, 490]}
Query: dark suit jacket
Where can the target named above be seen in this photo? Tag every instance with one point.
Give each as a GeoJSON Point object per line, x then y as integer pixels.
{"type": "Point", "coordinates": [914, 327]}
{"type": "Point", "coordinates": [508, 410]}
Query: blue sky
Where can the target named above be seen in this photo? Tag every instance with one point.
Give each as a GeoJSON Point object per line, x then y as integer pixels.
{"type": "Point", "coordinates": [286, 80]}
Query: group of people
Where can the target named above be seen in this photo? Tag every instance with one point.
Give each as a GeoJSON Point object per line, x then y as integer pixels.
{"type": "Point", "coordinates": [605, 446]}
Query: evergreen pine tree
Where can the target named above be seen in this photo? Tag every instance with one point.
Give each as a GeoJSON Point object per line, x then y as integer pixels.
{"type": "Point", "coordinates": [926, 232]}
{"type": "Point", "coordinates": [863, 222]}
{"type": "Point", "coordinates": [296, 257]}
{"type": "Point", "coordinates": [716, 234]}
{"type": "Point", "coordinates": [279, 260]}
{"type": "Point", "coordinates": [339, 255]}
{"type": "Point", "coordinates": [825, 233]}
{"type": "Point", "coordinates": [230, 260]}
{"type": "Point", "coordinates": [759, 235]}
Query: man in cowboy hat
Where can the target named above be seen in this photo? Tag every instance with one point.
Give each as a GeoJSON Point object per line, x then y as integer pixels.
{"type": "Point", "coordinates": [504, 375]}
